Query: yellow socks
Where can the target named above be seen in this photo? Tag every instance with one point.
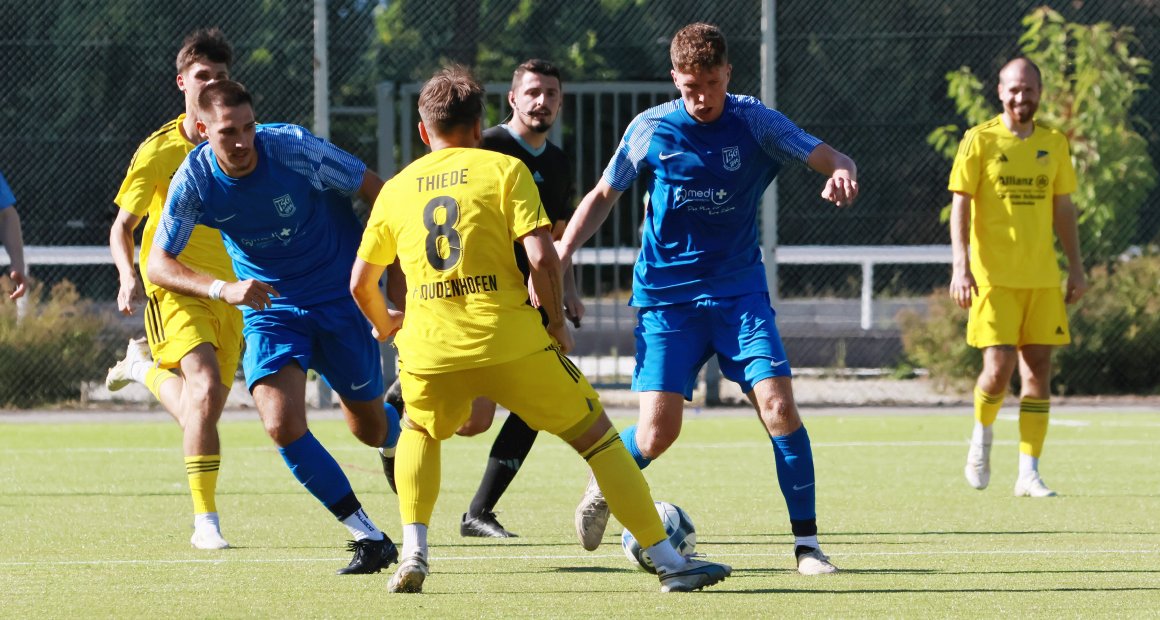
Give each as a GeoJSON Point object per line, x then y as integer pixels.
{"type": "Point", "coordinates": [1033, 415]}
{"type": "Point", "coordinates": [624, 488]}
{"type": "Point", "coordinates": [987, 406]}
{"type": "Point", "coordinates": [203, 475]}
{"type": "Point", "coordinates": [417, 473]}
{"type": "Point", "coordinates": [154, 377]}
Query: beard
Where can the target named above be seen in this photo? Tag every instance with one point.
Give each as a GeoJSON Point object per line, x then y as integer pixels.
{"type": "Point", "coordinates": [1023, 113]}
{"type": "Point", "coordinates": [538, 125]}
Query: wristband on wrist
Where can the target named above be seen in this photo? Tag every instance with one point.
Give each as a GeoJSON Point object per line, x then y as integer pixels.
{"type": "Point", "coordinates": [215, 289]}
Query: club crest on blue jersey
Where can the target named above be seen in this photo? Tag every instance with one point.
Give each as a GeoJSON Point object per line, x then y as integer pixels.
{"type": "Point", "coordinates": [285, 205]}
{"type": "Point", "coordinates": [731, 158]}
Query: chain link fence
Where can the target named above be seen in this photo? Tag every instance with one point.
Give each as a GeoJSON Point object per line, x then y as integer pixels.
{"type": "Point", "coordinates": [85, 82]}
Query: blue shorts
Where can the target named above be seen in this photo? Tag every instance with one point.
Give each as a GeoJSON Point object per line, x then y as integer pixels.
{"type": "Point", "coordinates": [332, 338]}
{"type": "Point", "coordinates": [673, 342]}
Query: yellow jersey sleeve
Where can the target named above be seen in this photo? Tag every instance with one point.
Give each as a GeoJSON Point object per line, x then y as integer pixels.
{"type": "Point", "coordinates": [143, 183]}
{"type": "Point", "coordinates": [1065, 182]}
{"type": "Point", "coordinates": [523, 199]}
{"type": "Point", "coordinates": [966, 171]}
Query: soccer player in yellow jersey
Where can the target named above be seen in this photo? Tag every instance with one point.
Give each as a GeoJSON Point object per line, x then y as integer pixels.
{"type": "Point", "coordinates": [1012, 179]}
{"type": "Point", "coordinates": [451, 218]}
{"type": "Point", "coordinates": [193, 344]}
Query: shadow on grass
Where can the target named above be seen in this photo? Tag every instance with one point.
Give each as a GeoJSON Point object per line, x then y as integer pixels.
{"type": "Point", "coordinates": [828, 535]}
{"type": "Point", "coordinates": [945, 590]}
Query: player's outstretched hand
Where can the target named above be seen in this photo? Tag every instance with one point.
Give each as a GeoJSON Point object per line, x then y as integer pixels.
{"type": "Point", "coordinates": [840, 190]}
{"type": "Point", "coordinates": [962, 287]}
{"type": "Point", "coordinates": [249, 293]}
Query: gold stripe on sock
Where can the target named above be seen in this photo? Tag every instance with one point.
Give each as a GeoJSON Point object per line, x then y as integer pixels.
{"type": "Point", "coordinates": [1034, 416]}
{"type": "Point", "coordinates": [154, 377]}
{"type": "Point", "coordinates": [202, 471]}
{"type": "Point", "coordinates": [987, 406]}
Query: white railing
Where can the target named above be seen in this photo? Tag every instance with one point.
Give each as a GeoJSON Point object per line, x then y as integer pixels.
{"type": "Point", "coordinates": [63, 255]}
{"type": "Point", "coordinates": [865, 255]}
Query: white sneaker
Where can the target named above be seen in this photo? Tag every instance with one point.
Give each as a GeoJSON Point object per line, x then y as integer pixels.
{"type": "Point", "coordinates": [591, 516]}
{"type": "Point", "coordinates": [410, 575]}
{"type": "Point", "coordinates": [978, 469]}
{"type": "Point", "coordinates": [208, 538]}
{"type": "Point", "coordinates": [119, 375]}
{"type": "Point", "coordinates": [1031, 485]}
{"type": "Point", "coordinates": [815, 563]}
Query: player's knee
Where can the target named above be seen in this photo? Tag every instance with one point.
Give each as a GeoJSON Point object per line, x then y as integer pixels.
{"type": "Point", "coordinates": [655, 441]}
{"type": "Point", "coordinates": [472, 428]}
{"type": "Point", "coordinates": [780, 416]}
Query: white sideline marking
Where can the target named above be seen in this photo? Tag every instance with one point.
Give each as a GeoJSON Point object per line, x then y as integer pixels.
{"type": "Point", "coordinates": [684, 444]}
{"type": "Point", "coordinates": [587, 556]}
{"type": "Point", "coordinates": [1054, 421]}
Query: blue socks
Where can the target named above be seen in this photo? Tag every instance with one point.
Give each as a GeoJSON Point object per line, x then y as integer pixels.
{"type": "Point", "coordinates": [795, 473]}
{"type": "Point", "coordinates": [317, 470]}
{"type": "Point", "coordinates": [394, 427]}
{"type": "Point", "coordinates": [628, 437]}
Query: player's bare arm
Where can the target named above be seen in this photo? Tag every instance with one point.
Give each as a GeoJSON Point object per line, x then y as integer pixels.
{"type": "Point", "coordinates": [129, 294]}
{"type": "Point", "coordinates": [397, 286]}
{"type": "Point", "coordinates": [13, 240]}
{"type": "Point", "coordinates": [963, 284]}
{"type": "Point", "coordinates": [842, 185]}
{"type": "Point", "coordinates": [169, 273]}
{"type": "Point", "coordinates": [548, 281]}
{"type": "Point", "coordinates": [1065, 219]}
{"type": "Point", "coordinates": [573, 306]}
{"type": "Point", "coordinates": [590, 214]}
{"type": "Point", "coordinates": [370, 187]}
{"type": "Point", "coordinates": [364, 287]}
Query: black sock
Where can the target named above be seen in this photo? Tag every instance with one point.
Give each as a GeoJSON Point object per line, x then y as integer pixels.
{"type": "Point", "coordinates": [508, 452]}
{"type": "Point", "coordinates": [803, 527]}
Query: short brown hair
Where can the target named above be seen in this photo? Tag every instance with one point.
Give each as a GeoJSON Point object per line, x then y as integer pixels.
{"type": "Point", "coordinates": [698, 46]}
{"type": "Point", "coordinates": [225, 93]}
{"type": "Point", "coordinates": [537, 66]}
{"type": "Point", "coordinates": [452, 98]}
{"type": "Point", "coordinates": [205, 44]}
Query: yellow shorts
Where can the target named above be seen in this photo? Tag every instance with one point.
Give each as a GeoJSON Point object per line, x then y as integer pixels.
{"type": "Point", "coordinates": [1017, 316]}
{"type": "Point", "coordinates": [175, 324]}
{"type": "Point", "coordinates": [545, 389]}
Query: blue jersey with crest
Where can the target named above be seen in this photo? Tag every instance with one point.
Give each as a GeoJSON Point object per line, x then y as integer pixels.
{"type": "Point", "coordinates": [288, 223]}
{"type": "Point", "coordinates": [700, 238]}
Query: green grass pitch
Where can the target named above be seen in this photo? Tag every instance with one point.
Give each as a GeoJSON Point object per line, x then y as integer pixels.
{"type": "Point", "coordinates": [96, 524]}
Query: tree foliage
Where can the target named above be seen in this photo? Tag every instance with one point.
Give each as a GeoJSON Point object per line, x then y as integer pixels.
{"type": "Point", "coordinates": [1091, 79]}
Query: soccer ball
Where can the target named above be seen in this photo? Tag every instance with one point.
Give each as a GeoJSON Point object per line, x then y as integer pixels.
{"type": "Point", "coordinates": [678, 526]}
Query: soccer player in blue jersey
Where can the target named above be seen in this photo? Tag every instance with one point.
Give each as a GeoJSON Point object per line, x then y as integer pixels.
{"type": "Point", "coordinates": [11, 238]}
{"type": "Point", "coordinates": [281, 198]}
{"type": "Point", "coordinates": [699, 284]}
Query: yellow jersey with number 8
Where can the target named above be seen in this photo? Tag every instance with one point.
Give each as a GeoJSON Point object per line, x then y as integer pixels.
{"type": "Point", "coordinates": [451, 218]}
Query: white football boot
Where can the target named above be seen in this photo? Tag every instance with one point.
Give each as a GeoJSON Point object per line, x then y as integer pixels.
{"type": "Point", "coordinates": [1031, 485]}
{"type": "Point", "coordinates": [119, 375]}
{"type": "Point", "coordinates": [978, 468]}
